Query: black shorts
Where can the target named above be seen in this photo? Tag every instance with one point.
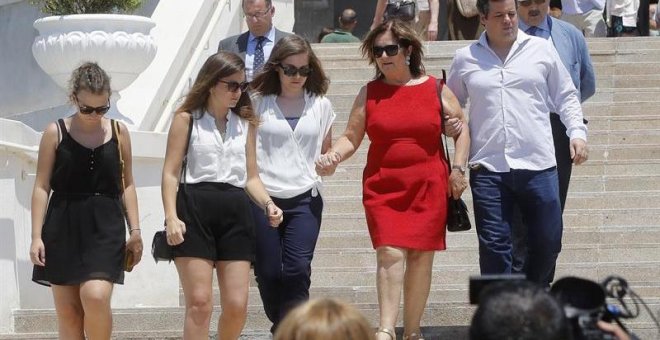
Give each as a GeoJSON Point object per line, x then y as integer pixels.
{"type": "Point", "coordinates": [219, 222]}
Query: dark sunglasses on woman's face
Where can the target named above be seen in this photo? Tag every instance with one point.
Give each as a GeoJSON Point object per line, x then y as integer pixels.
{"type": "Point", "coordinates": [86, 110]}
{"type": "Point", "coordinates": [290, 71]}
{"type": "Point", "coordinates": [390, 50]}
{"type": "Point", "coordinates": [234, 86]}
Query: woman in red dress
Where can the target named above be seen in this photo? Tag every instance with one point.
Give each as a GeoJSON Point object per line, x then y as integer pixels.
{"type": "Point", "coordinates": [406, 181]}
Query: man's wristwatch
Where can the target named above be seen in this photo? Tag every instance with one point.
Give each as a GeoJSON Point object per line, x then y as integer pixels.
{"type": "Point", "coordinates": [461, 168]}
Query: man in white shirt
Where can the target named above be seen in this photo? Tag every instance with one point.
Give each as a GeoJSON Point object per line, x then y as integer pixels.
{"type": "Point", "coordinates": [586, 15]}
{"type": "Point", "coordinates": [513, 81]}
{"type": "Point", "coordinates": [255, 45]}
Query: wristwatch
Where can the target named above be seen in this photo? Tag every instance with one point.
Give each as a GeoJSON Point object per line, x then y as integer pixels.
{"type": "Point", "coordinates": [461, 168]}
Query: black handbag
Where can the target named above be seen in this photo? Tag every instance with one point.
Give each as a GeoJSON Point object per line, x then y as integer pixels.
{"type": "Point", "coordinates": [457, 212]}
{"type": "Point", "coordinates": [402, 9]}
{"type": "Point", "coordinates": [160, 250]}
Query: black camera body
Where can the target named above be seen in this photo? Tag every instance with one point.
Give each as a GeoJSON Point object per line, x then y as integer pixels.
{"type": "Point", "coordinates": [584, 305]}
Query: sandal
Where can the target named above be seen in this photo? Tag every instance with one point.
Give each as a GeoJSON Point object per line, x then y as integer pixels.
{"type": "Point", "coordinates": [386, 331]}
{"type": "Point", "coordinates": [413, 336]}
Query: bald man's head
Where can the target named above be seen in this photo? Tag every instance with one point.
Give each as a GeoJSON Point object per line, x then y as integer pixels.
{"type": "Point", "coordinates": [348, 19]}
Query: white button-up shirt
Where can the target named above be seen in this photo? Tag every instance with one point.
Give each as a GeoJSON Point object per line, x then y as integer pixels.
{"type": "Point", "coordinates": [510, 102]}
{"type": "Point", "coordinates": [286, 157]}
{"type": "Point", "coordinates": [212, 159]}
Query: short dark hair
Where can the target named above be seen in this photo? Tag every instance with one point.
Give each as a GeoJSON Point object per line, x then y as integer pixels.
{"type": "Point", "coordinates": [405, 35]}
{"type": "Point", "coordinates": [267, 82]}
{"type": "Point", "coordinates": [518, 310]}
{"type": "Point", "coordinates": [483, 6]}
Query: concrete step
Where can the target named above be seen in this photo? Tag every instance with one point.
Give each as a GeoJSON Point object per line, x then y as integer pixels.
{"type": "Point", "coordinates": [352, 170]}
{"type": "Point", "coordinates": [571, 254]}
{"type": "Point", "coordinates": [575, 201]}
{"type": "Point", "coordinates": [603, 82]}
{"type": "Point", "coordinates": [437, 314]}
{"type": "Point", "coordinates": [573, 218]}
{"type": "Point", "coordinates": [596, 153]}
{"type": "Point", "coordinates": [627, 102]}
{"type": "Point", "coordinates": [339, 188]}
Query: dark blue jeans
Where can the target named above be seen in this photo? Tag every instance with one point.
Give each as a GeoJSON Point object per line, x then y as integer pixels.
{"type": "Point", "coordinates": [537, 194]}
{"type": "Point", "coordinates": [284, 254]}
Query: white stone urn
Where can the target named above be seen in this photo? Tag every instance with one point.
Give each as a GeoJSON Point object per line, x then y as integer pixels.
{"type": "Point", "coordinates": [121, 44]}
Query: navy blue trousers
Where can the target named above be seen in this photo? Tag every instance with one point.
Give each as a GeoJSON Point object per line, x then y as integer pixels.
{"type": "Point", "coordinates": [564, 170]}
{"type": "Point", "coordinates": [495, 196]}
{"type": "Point", "coordinates": [284, 254]}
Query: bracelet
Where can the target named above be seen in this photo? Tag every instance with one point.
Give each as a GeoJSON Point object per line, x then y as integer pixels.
{"type": "Point", "coordinates": [269, 202]}
{"type": "Point", "coordinates": [131, 230]}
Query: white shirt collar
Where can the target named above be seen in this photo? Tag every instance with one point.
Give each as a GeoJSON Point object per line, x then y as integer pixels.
{"type": "Point", "coordinates": [270, 35]}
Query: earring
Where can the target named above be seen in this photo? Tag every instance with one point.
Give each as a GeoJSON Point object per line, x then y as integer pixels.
{"type": "Point", "coordinates": [408, 60]}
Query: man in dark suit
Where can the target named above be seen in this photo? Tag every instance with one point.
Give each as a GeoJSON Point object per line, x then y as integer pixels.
{"type": "Point", "coordinates": [255, 45]}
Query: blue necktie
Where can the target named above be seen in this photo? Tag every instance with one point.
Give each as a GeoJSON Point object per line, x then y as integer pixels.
{"type": "Point", "coordinates": [258, 56]}
{"type": "Point", "coordinates": [532, 31]}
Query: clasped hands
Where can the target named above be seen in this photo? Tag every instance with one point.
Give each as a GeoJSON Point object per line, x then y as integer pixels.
{"type": "Point", "coordinates": [327, 163]}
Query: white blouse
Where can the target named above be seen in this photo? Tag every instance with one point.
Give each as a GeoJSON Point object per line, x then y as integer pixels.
{"type": "Point", "coordinates": [212, 159]}
{"type": "Point", "coordinates": [286, 157]}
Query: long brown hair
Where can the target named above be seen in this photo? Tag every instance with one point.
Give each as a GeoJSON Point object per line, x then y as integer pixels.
{"type": "Point", "coordinates": [216, 67]}
{"type": "Point", "coordinates": [405, 35]}
{"type": "Point", "coordinates": [268, 81]}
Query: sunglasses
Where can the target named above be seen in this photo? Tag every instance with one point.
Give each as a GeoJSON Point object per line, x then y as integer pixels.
{"type": "Point", "coordinates": [390, 50]}
{"type": "Point", "coordinates": [234, 86]}
{"type": "Point", "coordinates": [86, 110]}
{"type": "Point", "coordinates": [526, 3]}
{"type": "Point", "coordinates": [290, 71]}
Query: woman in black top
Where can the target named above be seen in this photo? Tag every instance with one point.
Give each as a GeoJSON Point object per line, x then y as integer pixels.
{"type": "Point", "coordinates": [78, 236]}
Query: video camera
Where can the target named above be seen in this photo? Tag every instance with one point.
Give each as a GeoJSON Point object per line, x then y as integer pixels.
{"type": "Point", "coordinates": [584, 302]}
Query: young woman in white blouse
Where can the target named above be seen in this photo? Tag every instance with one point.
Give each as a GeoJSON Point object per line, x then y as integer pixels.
{"type": "Point", "coordinates": [296, 120]}
{"type": "Point", "coordinates": [208, 215]}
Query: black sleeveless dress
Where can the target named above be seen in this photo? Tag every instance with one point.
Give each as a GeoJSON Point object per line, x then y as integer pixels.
{"type": "Point", "coordinates": [84, 230]}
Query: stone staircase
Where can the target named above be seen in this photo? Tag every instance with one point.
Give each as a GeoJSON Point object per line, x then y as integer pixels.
{"type": "Point", "coordinates": [612, 217]}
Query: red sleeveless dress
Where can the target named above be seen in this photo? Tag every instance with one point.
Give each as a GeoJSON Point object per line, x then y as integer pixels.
{"type": "Point", "coordinates": [405, 179]}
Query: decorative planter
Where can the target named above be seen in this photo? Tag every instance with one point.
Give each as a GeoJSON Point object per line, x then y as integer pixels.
{"type": "Point", "coordinates": [120, 44]}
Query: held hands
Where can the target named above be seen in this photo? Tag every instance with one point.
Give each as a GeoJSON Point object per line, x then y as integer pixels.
{"type": "Point", "coordinates": [134, 245]}
{"type": "Point", "coordinates": [457, 184]}
{"type": "Point", "coordinates": [38, 252]}
{"type": "Point", "coordinates": [174, 228]}
{"type": "Point", "coordinates": [579, 151]}
{"type": "Point", "coordinates": [327, 163]}
{"type": "Point", "coordinates": [453, 127]}
{"type": "Point", "coordinates": [274, 214]}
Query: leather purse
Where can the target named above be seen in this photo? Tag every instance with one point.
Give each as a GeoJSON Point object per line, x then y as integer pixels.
{"type": "Point", "coordinates": [403, 9]}
{"type": "Point", "coordinates": [457, 215]}
{"type": "Point", "coordinates": [160, 250]}
{"type": "Point", "coordinates": [457, 212]}
{"type": "Point", "coordinates": [129, 259]}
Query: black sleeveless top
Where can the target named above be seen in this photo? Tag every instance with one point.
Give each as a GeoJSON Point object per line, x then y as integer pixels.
{"type": "Point", "coordinates": [81, 170]}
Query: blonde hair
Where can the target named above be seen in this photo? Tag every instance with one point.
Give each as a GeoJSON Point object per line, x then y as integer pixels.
{"type": "Point", "coordinates": [324, 319]}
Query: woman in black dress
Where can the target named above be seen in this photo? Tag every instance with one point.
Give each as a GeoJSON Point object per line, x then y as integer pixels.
{"type": "Point", "coordinates": [79, 236]}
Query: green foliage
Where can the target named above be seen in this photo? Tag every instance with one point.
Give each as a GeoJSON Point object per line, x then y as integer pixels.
{"type": "Point", "coordinates": [64, 7]}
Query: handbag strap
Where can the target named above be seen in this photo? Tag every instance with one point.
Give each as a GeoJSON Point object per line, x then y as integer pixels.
{"type": "Point", "coordinates": [115, 126]}
{"type": "Point", "coordinates": [184, 161]}
{"type": "Point", "coordinates": [439, 84]}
